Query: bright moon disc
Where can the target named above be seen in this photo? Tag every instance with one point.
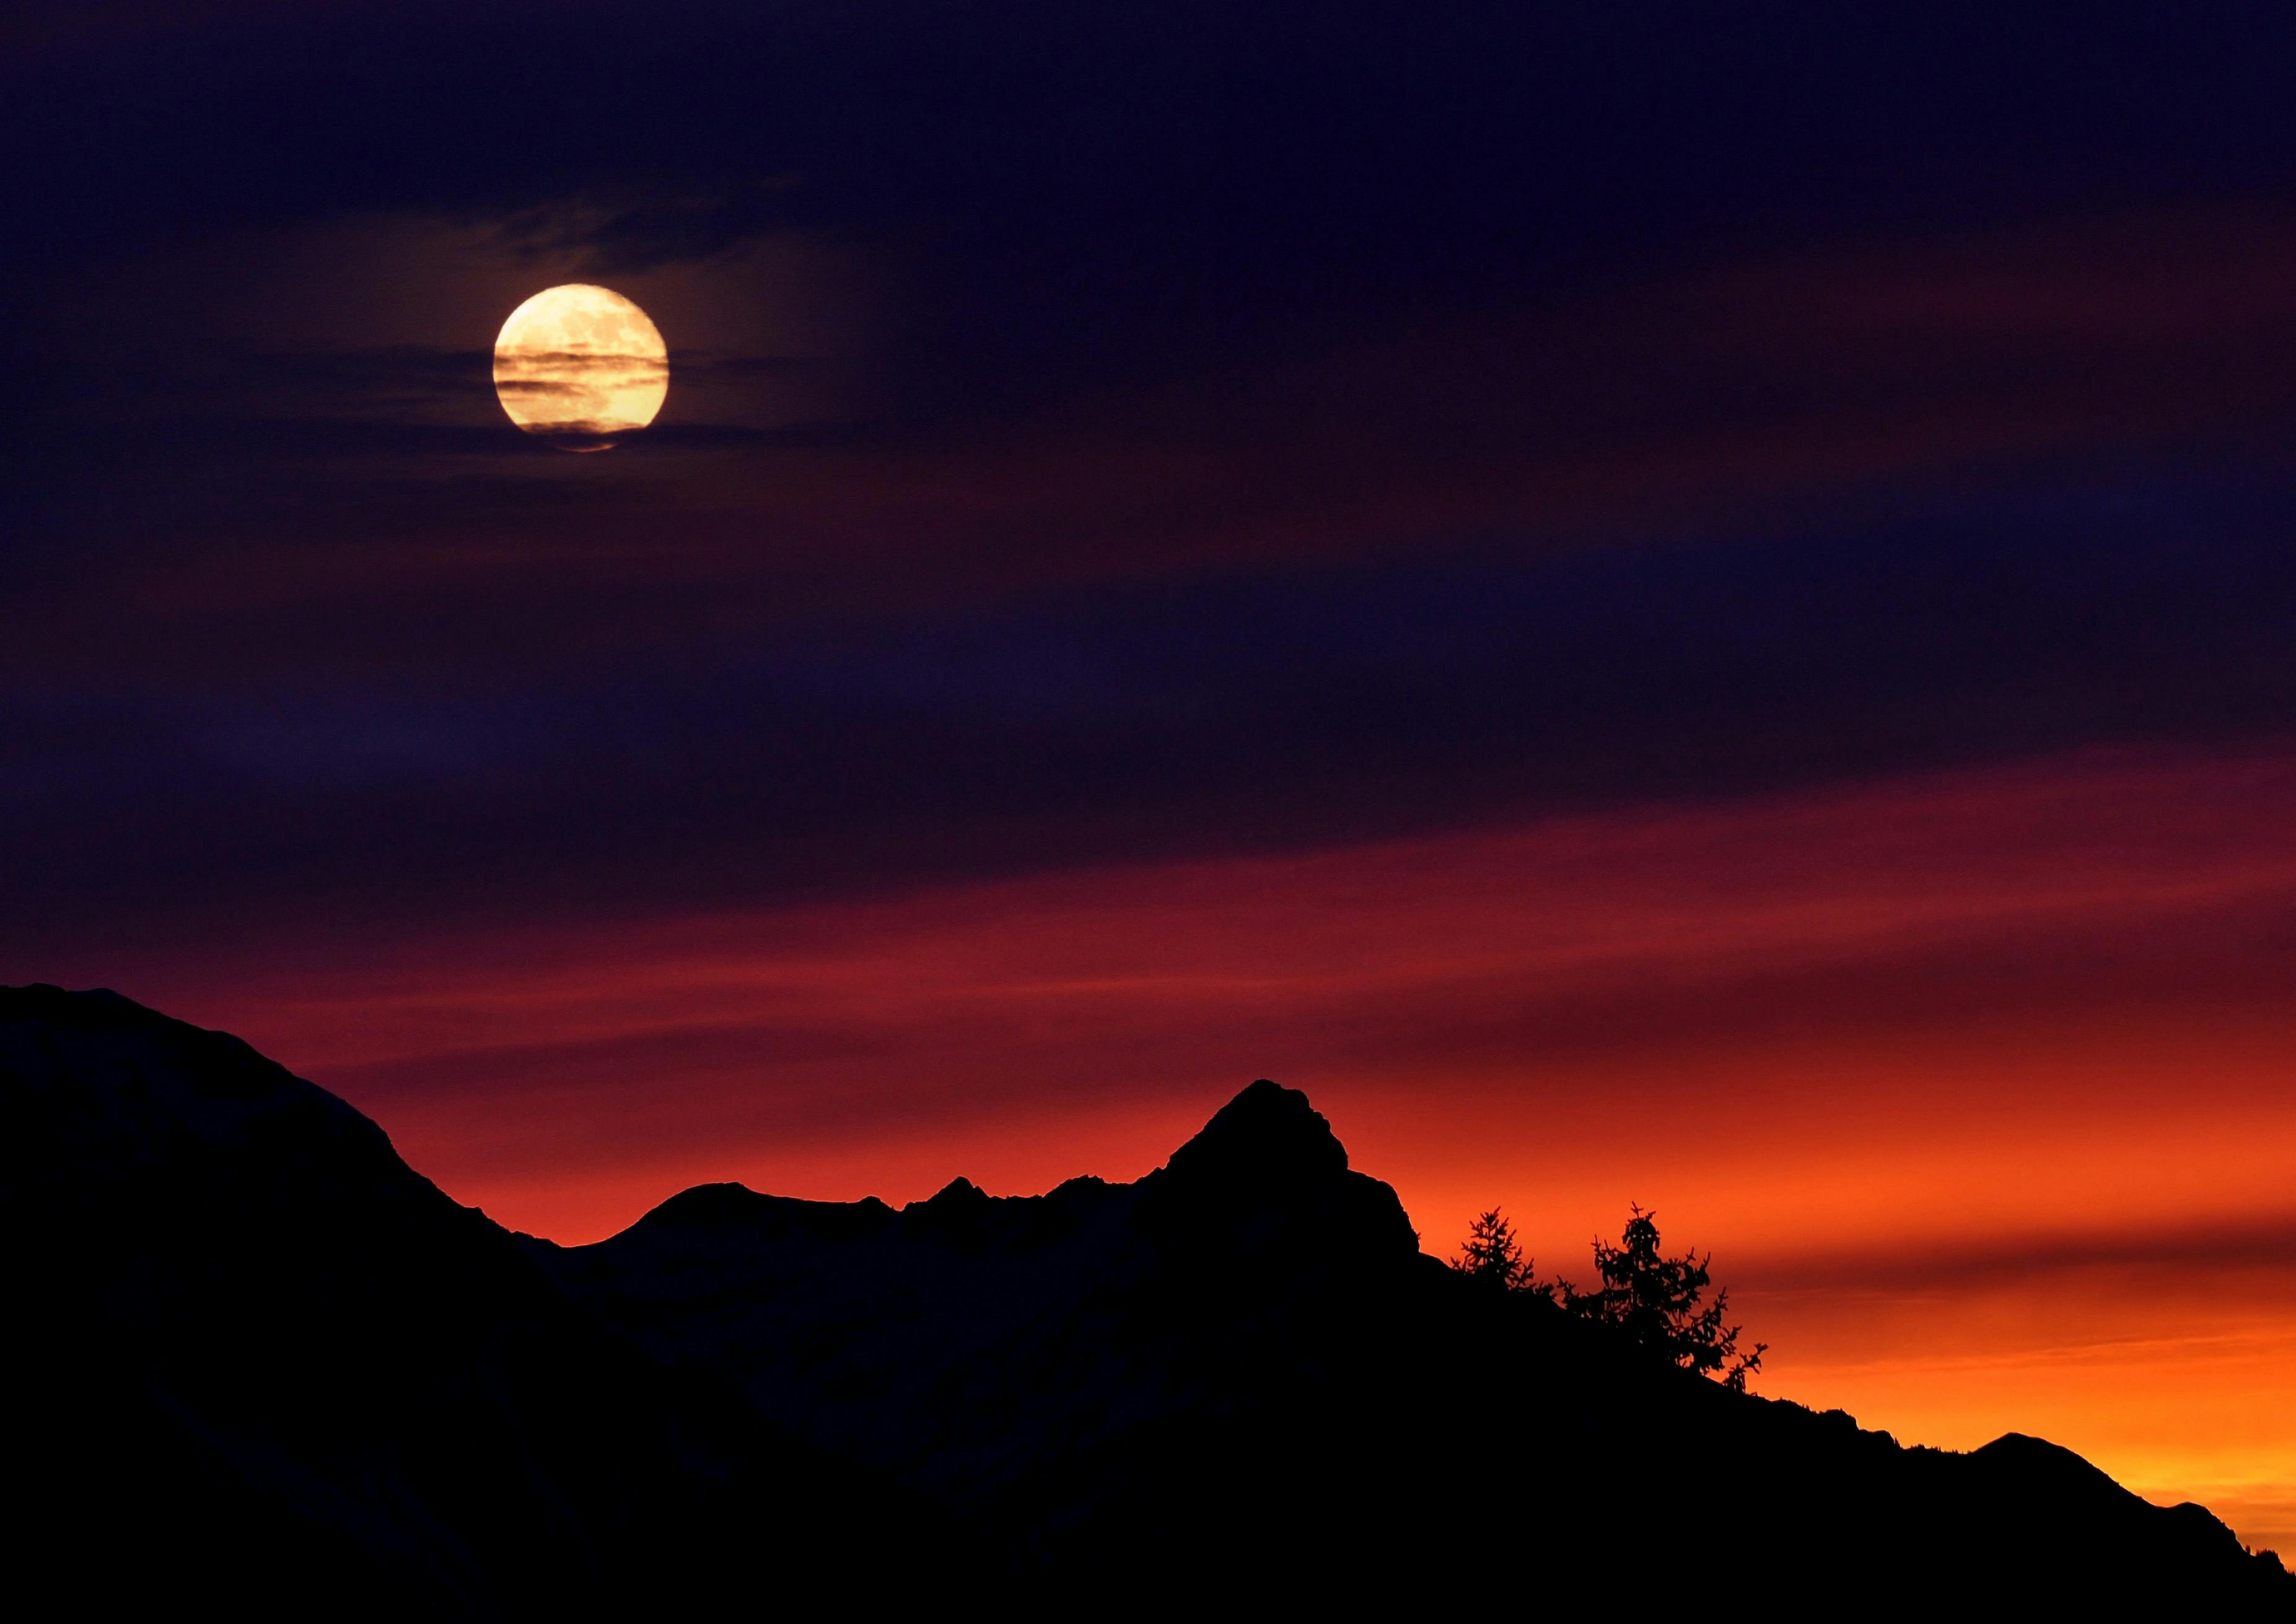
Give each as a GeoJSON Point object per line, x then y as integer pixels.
{"type": "Point", "coordinates": [580, 366]}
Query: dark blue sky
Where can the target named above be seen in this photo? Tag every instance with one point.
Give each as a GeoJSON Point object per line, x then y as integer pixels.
{"type": "Point", "coordinates": [1105, 431]}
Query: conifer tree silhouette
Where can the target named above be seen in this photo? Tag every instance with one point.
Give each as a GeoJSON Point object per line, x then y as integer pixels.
{"type": "Point", "coordinates": [1654, 1299]}
{"type": "Point", "coordinates": [1492, 1256]}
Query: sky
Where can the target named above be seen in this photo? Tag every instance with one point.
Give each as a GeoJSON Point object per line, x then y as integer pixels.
{"type": "Point", "coordinates": [1654, 604]}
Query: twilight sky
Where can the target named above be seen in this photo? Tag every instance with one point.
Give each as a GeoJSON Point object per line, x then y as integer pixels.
{"type": "Point", "coordinates": [1665, 603]}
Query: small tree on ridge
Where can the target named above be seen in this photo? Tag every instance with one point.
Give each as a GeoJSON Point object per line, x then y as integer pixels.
{"type": "Point", "coordinates": [1651, 1298]}
{"type": "Point", "coordinates": [1654, 1299]}
{"type": "Point", "coordinates": [1492, 1255]}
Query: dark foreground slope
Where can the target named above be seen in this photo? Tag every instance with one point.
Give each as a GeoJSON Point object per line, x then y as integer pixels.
{"type": "Point", "coordinates": [1242, 1372]}
{"type": "Point", "coordinates": [253, 1359]}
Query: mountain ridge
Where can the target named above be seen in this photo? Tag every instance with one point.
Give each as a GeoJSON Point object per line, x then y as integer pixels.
{"type": "Point", "coordinates": [1238, 1370]}
{"type": "Point", "coordinates": [271, 1362]}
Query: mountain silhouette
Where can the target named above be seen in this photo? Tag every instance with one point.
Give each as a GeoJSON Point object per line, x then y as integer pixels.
{"type": "Point", "coordinates": [260, 1360]}
{"type": "Point", "coordinates": [256, 1359]}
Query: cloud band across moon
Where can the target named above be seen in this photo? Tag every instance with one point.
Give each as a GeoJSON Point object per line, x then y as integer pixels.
{"type": "Point", "coordinates": [580, 366]}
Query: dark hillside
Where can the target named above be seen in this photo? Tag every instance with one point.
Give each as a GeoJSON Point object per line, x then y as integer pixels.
{"type": "Point", "coordinates": [1243, 1368]}
{"type": "Point", "coordinates": [256, 1362]}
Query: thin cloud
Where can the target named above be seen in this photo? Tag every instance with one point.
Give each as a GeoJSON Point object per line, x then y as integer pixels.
{"type": "Point", "coordinates": [2264, 1244]}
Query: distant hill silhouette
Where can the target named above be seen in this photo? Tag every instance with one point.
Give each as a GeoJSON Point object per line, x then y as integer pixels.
{"type": "Point", "coordinates": [254, 1360]}
{"type": "Point", "coordinates": [258, 1360]}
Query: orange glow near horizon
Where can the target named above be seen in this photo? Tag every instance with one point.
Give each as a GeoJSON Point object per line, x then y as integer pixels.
{"type": "Point", "coordinates": [1975, 1084]}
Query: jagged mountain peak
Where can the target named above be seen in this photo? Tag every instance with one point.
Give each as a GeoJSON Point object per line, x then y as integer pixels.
{"type": "Point", "coordinates": [1267, 1133]}
{"type": "Point", "coordinates": [1266, 1180]}
{"type": "Point", "coordinates": [958, 1193]}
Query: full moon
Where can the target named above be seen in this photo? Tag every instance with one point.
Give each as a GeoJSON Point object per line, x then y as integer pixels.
{"type": "Point", "coordinates": [580, 366]}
